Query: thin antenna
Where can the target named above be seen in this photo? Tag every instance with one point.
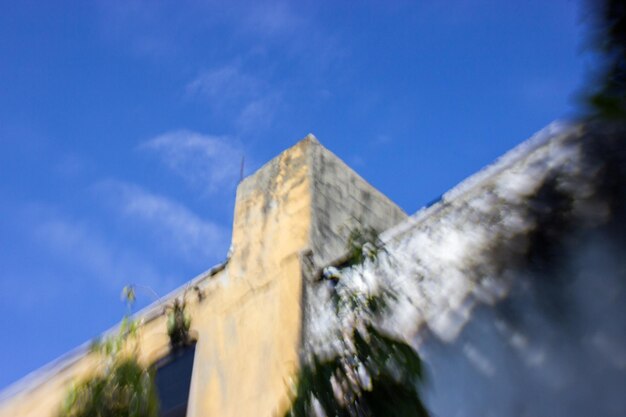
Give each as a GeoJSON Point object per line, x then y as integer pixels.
{"type": "Point", "coordinates": [241, 169]}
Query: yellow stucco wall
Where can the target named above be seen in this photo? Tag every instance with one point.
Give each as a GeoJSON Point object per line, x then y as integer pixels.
{"type": "Point", "coordinates": [249, 332]}
{"type": "Point", "coordinates": [249, 324]}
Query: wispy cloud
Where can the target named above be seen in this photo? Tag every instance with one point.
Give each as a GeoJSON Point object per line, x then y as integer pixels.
{"type": "Point", "coordinates": [225, 85]}
{"type": "Point", "coordinates": [153, 225]}
{"type": "Point", "coordinates": [251, 101]}
{"type": "Point", "coordinates": [210, 163]}
{"type": "Point", "coordinates": [259, 113]}
{"type": "Point", "coordinates": [177, 228]}
{"type": "Point", "coordinates": [88, 251]}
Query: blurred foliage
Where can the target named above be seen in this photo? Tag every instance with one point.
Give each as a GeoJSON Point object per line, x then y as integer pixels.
{"type": "Point", "coordinates": [129, 295]}
{"type": "Point", "coordinates": [362, 244]}
{"type": "Point", "coordinates": [178, 323]}
{"type": "Point", "coordinates": [372, 373]}
{"type": "Point", "coordinates": [120, 385]}
{"type": "Point", "coordinates": [127, 389]}
{"type": "Point", "coordinates": [607, 96]}
{"type": "Point", "coordinates": [378, 376]}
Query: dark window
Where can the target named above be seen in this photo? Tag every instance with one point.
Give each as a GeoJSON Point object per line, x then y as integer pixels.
{"type": "Point", "coordinates": [173, 379]}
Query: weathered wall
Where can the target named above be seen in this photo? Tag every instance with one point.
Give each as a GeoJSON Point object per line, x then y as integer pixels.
{"type": "Point", "coordinates": [343, 202]}
{"type": "Point", "coordinates": [300, 205]}
{"type": "Point", "coordinates": [250, 336]}
{"type": "Point", "coordinates": [513, 286]}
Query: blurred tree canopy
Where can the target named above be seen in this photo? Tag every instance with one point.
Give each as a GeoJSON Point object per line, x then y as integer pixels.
{"type": "Point", "coordinates": [606, 98]}
{"type": "Point", "coordinates": [371, 373]}
{"type": "Point", "coordinates": [120, 385]}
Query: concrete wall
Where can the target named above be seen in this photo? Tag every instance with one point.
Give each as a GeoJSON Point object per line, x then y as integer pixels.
{"type": "Point", "coordinates": [342, 202]}
{"type": "Point", "coordinates": [291, 217]}
{"type": "Point", "coordinates": [513, 286]}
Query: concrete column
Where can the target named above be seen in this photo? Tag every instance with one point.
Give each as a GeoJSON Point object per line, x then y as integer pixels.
{"type": "Point", "coordinates": [305, 201]}
{"type": "Point", "coordinates": [300, 205]}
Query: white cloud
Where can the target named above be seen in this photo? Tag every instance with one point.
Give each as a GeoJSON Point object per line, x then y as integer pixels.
{"type": "Point", "coordinates": [258, 114]}
{"type": "Point", "coordinates": [84, 248]}
{"type": "Point", "coordinates": [211, 163]}
{"type": "Point", "coordinates": [250, 101]}
{"type": "Point", "coordinates": [225, 85]}
{"type": "Point", "coordinates": [177, 228]}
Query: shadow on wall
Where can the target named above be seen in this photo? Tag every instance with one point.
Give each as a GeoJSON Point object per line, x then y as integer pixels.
{"type": "Point", "coordinates": [556, 345]}
{"type": "Point", "coordinates": [512, 289]}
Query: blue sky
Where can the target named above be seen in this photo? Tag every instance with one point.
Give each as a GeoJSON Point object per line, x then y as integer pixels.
{"type": "Point", "coordinates": [123, 124]}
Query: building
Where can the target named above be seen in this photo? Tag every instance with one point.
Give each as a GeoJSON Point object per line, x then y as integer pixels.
{"type": "Point", "coordinates": [291, 217]}
{"type": "Point", "coordinates": [487, 277]}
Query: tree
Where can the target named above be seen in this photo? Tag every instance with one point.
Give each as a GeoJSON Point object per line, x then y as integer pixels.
{"type": "Point", "coordinates": [607, 96]}
{"type": "Point", "coordinates": [371, 373]}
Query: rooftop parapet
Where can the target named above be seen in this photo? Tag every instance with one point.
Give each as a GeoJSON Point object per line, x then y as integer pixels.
{"type": "Point", "coordinates": [292, 216]}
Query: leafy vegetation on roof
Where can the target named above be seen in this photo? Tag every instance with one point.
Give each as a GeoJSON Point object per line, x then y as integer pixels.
{"type": "Point", "coordinates": [119, 385]}
{"type": "Point", "coordinates": [371, 373]}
